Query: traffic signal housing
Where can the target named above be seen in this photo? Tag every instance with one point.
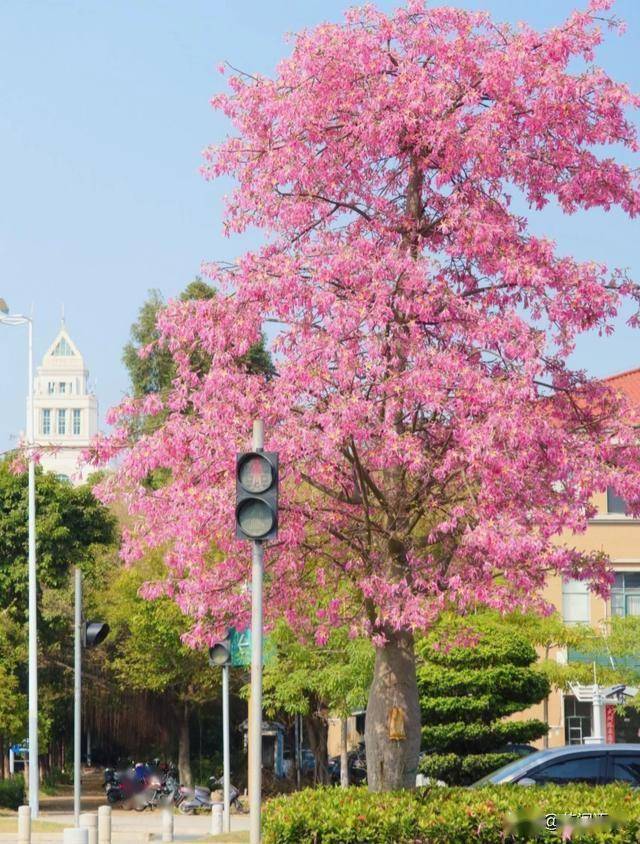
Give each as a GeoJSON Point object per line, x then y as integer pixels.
{"type": "Point", "coordinates": [93, 633]}
{"type": "Point", "coordinates": [257, 495]}
{"type": "Point", "coordinates": [220, 652]}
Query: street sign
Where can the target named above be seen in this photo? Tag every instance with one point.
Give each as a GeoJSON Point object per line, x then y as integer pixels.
{"type": "Point", "coordinates": [241, 649]}
{"type": "Point", "coordinates": [20, 749]}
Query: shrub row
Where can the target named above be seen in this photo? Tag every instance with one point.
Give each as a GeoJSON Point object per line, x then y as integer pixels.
{"type": "Point", "coordinates": [11, 793]}
{"type": "Point", "coordinates": [463, 770]}
{"type": "Point", "coordinates": [492, 815]}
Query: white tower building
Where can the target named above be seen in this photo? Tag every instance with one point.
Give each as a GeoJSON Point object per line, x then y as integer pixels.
{"type": "Point", "coordinates": [66, 412]}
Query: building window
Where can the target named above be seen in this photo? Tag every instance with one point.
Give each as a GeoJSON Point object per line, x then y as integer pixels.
{"type": "Point", "coordinates": [76, 421]}
{"type": "Point", "coordinates": [63, 349]}
{"type": "Point", "coordinates": [575, 602]}
{"type": "Point", "coordinates": [45, 425]}
{"type": "Point", "coordinates": [625, 594]}
{"type": "Point", "coordinates": [615, 504]}
{"type": "Point", "coordinates": [51, 387]}
{"type": "Point", "coordinates": [62, 421]}
{"type": "Point", "coordinates": [62, 388]}
{"type": "Point", "coordinates": [577, 720]}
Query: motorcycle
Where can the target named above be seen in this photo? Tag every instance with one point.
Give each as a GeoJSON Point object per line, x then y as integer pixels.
{"type": "Point", "coordinates": [193, 800]}
{"type": "Point", "coordinates": [126, 786]}
{"type": "Point", "coordinates": [162, 791]}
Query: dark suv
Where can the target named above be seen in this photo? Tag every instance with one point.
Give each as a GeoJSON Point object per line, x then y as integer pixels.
{"type": "Point", "coordinates": [594, 764]}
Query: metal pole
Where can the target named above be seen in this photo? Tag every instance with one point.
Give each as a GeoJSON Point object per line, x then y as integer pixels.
{"type": "Point", "coordinates": [255, 715]}
{"type": "Point", "coordinates": [597, 708]}
{"type": "Point", "coordinates": [296, 755]}
{"type": "Point", "coordinates": [226, 783]}
{"type": "Point", "coordinates": [34, 772]}
{"type": "Point", "coordinates": [77, 696]}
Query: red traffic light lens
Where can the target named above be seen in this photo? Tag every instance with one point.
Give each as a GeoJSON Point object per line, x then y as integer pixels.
{"type": "Point", "coordinates": [255, 473]}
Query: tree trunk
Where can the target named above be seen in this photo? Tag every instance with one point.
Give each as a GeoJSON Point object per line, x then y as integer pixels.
{"type": "Point", "coordinates": [392, 763]}
{"type": "Point", "coordinates": [318, 733]}
{"type": "Point", "coordinates": [184, 750]}
{"type": "Point", "coordinates": [344, 756]}
{"type": "Point", "coordinates": [2, 763]}
{"type": "Point", "coordinates": [545, 706]}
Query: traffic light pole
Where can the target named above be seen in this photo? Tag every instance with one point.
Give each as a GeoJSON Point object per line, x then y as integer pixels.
{"type": "Point", "coordinates": [226, 781]}
{"type": "Point", "coordinates": [255, 715]}
{"type": "Point", "coordinates": [77, 696]}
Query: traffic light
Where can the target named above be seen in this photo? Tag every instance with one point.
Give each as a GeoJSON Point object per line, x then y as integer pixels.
{"type": "Point", "coordinates": [93, 633]}
{"type": "Point", "coordinates": [220, 652]}
{"type": "Point", "coordinates": [257, 495]}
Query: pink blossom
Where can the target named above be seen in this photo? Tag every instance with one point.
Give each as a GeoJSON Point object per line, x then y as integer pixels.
{"type": "Point", "coordinates": [434, 443]}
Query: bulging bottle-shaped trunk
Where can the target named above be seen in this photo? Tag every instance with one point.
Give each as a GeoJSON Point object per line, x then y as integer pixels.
{"type": "Point", "coordinates": [392, 731]}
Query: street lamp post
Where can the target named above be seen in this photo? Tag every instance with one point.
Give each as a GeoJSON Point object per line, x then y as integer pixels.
{"type": "Point", "coordinates": [34, 775]}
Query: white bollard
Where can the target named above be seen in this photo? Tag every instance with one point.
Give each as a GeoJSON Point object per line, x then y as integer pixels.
{"type": "Point", "coordinates": [89, 821]}
{"type": "Point", "coordinates": [216, 819]}
{"type": "Point", "coordinates": [167, 825]}
{"type": "Point", "coordinates": [76, 836]}
{"type": "Point", "coordinates": [24, 825]}
{"type": "Point", "coordinates": [104, 825]}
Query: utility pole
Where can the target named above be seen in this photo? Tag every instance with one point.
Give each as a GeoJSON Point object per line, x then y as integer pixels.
{"type": "Point", "coordinates": [32, 616]}
{"type": "Point", "coordinates": [77, 696]}
{"type": "Point", "coordinates": [255, 716]}
{"type": "Point", "coordinates": [220, 655]}
{"type": "Point", "coordinates": [87, 634]}
{"type": "Point", "coordinates": [257, 521]}
{"type": "Point", "coordinates": [226, 778]}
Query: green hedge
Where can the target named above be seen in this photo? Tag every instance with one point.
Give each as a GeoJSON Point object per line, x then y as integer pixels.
{"type": "Point", "coordinates": [11, 793]}
{"type": "Point", "coordinates": [492, 815]}
{"type": "Point", "coordinates": [458, 737]}
{"type": "Point", "coordinates": [463, 770]}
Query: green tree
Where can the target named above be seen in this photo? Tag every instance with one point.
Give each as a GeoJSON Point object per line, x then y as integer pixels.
{"type": "Point", "coordinates": [145, 652]}
{"type": "Point", "coordinates": [607, 653]}
{"type": "Point", "coordinates": [70, 525]}
{"type": "Point", "coordinates": [13, 701]}
{"type": "Point", "coordinates": [466, 691]}
{"type": "Point", "coordinates": [72, 528]}
{"type": "Point", "coordinates": [317, 681]}
{"type": "Point", "coordinates": [154, 372]}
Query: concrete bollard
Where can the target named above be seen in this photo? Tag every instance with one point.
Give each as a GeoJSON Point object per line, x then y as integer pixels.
{"type": "Point", "coordinates": [167, 825]}
{"type": "Point", "coordinates": [216, 819]}
{"type": "Point", "coordinates": [104, 825]}
{"type": "Point", "coordinates": [89, 821]}
{"type": "Point", "coordinates": [24, 825]}
{"type": "Point", "coordinates": [76, 836]}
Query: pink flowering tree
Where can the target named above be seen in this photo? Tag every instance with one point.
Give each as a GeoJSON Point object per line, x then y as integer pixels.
{"type": "Point", "coordinates": [434, 444]}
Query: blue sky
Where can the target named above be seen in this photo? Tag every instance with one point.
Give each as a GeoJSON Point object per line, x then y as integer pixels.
{"type": "Point", "coordinates": [103, 114]}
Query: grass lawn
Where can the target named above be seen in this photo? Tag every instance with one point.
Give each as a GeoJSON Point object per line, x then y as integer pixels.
{"type": "Point", "coordinates": [9, 823]}
{"type": "Point", "coordinates": [227, 837]}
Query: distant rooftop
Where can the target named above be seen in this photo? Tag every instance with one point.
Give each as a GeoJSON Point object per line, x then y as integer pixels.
{"type": "Point", "coordinates": [628, 383]}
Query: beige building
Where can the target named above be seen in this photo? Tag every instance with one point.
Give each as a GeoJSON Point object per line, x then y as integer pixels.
{"type": "Point", "coordinates": [65, 409]}
{"type": "Point", "coordinates": [618, 536]}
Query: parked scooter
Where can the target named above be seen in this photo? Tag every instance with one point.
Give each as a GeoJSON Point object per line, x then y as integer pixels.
{"type": "Point", "coordinates": [126, 786]}
{"type": "Point", "coordinates": [162, 790]}
{"type": "Point", "coordinates": [200, 798]}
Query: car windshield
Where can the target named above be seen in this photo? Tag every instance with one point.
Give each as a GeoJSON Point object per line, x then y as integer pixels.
{"type": "Point", "coordinates": [508, 772]}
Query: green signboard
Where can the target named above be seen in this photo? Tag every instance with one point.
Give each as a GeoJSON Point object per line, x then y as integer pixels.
{"type": "Point", "coordinates": [241, 649]}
